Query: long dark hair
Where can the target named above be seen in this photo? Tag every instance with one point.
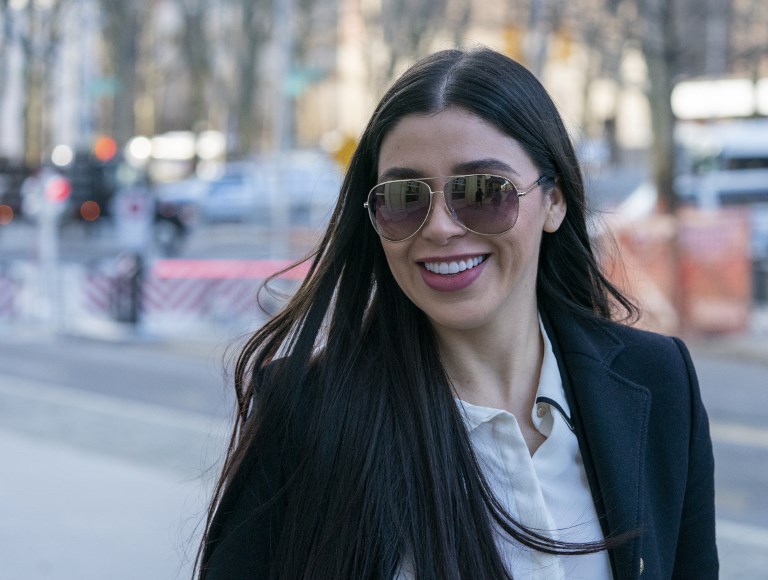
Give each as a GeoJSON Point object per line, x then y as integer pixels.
{"type": "Point", "coordinates": [346, 385]}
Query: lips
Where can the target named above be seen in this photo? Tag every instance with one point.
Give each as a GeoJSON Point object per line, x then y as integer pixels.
{"type": "Point", "coordinates": [452, 275]}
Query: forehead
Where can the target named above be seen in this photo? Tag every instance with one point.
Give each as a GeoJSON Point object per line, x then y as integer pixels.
{"type": "Point", "coordinates": [448, 142]}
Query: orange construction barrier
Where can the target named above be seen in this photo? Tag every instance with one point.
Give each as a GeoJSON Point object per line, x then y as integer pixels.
{"type": "Point", "coordinates": [691, 273]}
{"type": "Point", "coordinates": [715, 269]}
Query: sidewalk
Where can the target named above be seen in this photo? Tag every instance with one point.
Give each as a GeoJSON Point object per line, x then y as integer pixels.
{"type": "Point", "coordinates": [70, 514]}
{"type": "Point", "coordinates": [94, 488]}
{"type": "Point", "coordinates": [751, 347]}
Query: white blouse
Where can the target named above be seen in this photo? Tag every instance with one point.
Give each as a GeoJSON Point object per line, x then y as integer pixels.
{"type": "Point", "coordinates": [548, 491]}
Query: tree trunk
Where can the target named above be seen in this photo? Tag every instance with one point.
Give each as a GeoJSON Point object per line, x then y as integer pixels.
{"type": "Point", "coordinates": [253, 39]}
{"type": "Point", "coordinates": [123, 113]}
{"type": "Point", "coordinates": [660, 50]}
{"type": "Point", "coordinates": [33, 90]}
{"type": "Point", "coordinates": [196, 50]}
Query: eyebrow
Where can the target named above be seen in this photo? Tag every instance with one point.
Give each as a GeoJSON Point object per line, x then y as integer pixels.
{"type": "Point", "coordinates": [489, 164]}
{"type": "Point", "coordinates": [467, 167]}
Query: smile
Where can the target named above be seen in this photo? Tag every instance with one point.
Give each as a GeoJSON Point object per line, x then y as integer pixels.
{"type": "Point", "coordinates": [454, 266]}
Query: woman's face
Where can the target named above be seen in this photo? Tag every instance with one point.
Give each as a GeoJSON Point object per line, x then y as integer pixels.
{"type": "Point", "coordinates": [499, 282]}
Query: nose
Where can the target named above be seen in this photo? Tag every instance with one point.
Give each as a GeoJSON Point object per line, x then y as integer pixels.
{"type": "Point", "coordinates": [441, 226]}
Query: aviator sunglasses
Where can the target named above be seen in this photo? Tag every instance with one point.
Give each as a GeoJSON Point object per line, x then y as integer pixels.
{"type": "Point", "coordinates": [482, 203]}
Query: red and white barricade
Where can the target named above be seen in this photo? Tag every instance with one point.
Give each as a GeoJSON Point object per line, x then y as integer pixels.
{"type": "Point", "coordinates": [177, 291]}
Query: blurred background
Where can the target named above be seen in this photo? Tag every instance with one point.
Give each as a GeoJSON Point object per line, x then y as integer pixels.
{"type": "Point", "coordinates": [159, 159]}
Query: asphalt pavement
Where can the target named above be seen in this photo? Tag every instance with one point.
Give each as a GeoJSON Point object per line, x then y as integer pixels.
{"type": "Point", "coordinates": [95, 487]}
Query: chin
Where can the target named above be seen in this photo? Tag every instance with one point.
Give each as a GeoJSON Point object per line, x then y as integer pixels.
{"type": "Point", "coordinates": [460, 322]}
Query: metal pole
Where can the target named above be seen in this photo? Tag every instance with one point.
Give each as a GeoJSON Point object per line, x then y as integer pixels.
{"type": "Point", "coordinates": [85, 112]}
{"type": "Point", "coordinates": [282, 126]}
{"type": "Point", "coordinates": [283, 43]}
{"type": "Point", "coordinates": [48, 243]}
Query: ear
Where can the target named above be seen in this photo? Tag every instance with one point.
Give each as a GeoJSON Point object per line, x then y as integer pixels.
{"type": "Point", "coordinates": [556, 210]}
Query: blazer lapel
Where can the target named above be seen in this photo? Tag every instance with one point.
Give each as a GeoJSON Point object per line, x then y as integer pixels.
{"type": "Point", "coordinates": [610, 415]}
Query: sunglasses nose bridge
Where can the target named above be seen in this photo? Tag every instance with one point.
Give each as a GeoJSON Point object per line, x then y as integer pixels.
{"type": "Point", "coordinates": [432, 203]}
{"type": "Point", "coordinates": [449, 208]}
{"type": "Point", "coordinates": [435, 225]}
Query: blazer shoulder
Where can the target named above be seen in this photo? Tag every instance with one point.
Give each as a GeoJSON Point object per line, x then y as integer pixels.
{"type": "Point", "coordinates": [646, 358]}
{"type": "Point", "coordinates": [603, 340]}
{"type": "Point", "coordinates": [646, 341]}
{"type": "Point", "coordinates": [641, 342]}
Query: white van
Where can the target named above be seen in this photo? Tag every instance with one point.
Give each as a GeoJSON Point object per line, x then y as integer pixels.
{"type": "Point", "coordinates": [723, 163]}
{"type": "Point", "coordinates": [726, 164]}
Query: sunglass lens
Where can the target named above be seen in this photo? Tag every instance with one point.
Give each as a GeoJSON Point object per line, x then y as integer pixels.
{"type": "Point", "coordinates": [486, 204]}
{"type": "Point", "coordinates": [398, 208]}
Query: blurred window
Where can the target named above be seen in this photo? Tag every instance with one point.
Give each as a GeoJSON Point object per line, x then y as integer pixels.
{"type": "Point", "coordinates": [744, 163]}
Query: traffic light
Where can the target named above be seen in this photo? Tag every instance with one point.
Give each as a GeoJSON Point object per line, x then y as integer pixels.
{"type": "Point", "coordinates": [105, 148]}
{"type": "Point", "coordinates": [57, 189]}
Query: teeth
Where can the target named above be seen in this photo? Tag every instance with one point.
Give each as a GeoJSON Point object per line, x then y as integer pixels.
{"type": "Point", "coordinates": [453, 267]}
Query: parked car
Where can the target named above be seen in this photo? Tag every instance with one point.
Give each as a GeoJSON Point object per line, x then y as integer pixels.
{"type": "Point", "coordinates": [308, 181]}
{"type": "Point", "coordinates": [12, 175]}
{"type": "Point", "coordinates": [94, 182]}
{"type": "Point", "coordinates": [236, 194]}
{"type": "Point", "coordinates": [298, 187]}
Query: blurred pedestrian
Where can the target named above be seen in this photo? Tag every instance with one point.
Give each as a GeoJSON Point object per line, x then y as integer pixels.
{"type": "Point", "coordinates": [479, 197]}
{"type": "Point", "coordinates": [454, 393]}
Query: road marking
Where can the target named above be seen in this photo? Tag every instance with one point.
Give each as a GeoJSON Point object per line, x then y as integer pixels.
{"type": "Point", "coordinates": [108, 405]}
{"type": "Point", "coordinates": [739, 434]}
{"type": "Point", "coordinates": [742, 533]}
{"type": "Point", "coordinates": [167, 417]}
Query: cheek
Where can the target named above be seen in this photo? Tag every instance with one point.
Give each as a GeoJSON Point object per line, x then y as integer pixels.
{"type": "Point", "coordinates": [531, 225]}
{"type": "Point", "coordinates": [402, 269]}
{"type": "Point", "coordinates": [397, 258]}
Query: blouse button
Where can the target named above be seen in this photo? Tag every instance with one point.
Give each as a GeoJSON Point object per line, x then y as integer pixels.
{"type": "Point", "coordinates": [541, 410]}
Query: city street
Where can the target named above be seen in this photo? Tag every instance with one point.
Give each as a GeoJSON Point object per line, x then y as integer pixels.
{"type": "Point", "coordinates": [107, 444]}
{"type": "Point", "coordinates": [110, 439]}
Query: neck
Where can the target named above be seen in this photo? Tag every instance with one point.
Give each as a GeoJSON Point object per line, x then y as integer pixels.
{"type": "Point", "coordinates": [498, 368]}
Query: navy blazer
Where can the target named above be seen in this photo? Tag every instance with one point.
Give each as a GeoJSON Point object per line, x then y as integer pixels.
{"type": "Point", "coordinates": [643, 434]}
{"type": "Point", "coordinates": [644, 437]}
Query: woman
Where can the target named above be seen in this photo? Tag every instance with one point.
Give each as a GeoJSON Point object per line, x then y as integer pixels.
{"type": "Point", "coordinates": [447, 395]}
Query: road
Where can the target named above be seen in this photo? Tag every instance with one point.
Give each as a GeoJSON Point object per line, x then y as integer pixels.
{"type": "Point", "coordinates": [148, 418]}
{"type": "Point", "coordinates": [80, 242]}
{"type": "Point", "coordinates": [108, 452]}
{"type": "Point", "coordinates": [736, 395]}
{"type": "Point", "coordinates": [735, 392]}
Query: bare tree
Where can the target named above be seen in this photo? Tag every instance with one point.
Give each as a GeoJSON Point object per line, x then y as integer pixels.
{"type": "Point", "coordinates": [749, 31]}
{"type": "Point", "coordinates": [660, 45]}
{"type": "Point", "coordinates": [544, 18]}
{"type": "Point", "coordinates": [5, 35]}
{"type": "Point", "coordinates": [252, 36]}
{"type": "Point", "coordinates": [5, 20]}
{"type": "Point", "coordinates": [196, 51]}
{"type": "Point", "coordinates": [194, 44]}
{"type": "Point", "coordinates": [408, 27]}
{"type": "Point", "coordinates": [123, 29]}
{"type": "Point", "coordinates": [38, 30]}
{"type": "Point", "coordinates": [600, 29]}
{"type": "Point", "coordinates": [653, 27]}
